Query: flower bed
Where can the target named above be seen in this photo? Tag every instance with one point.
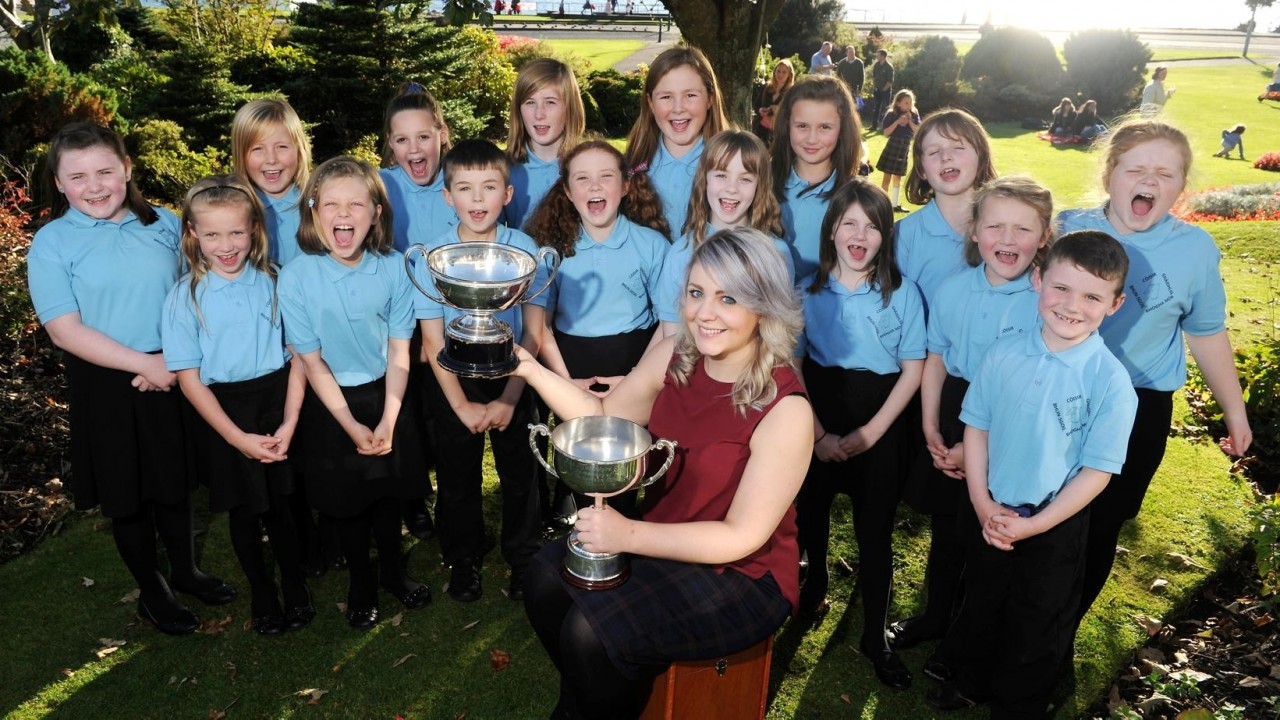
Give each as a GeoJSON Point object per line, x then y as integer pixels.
{"type": "Point", "coordinates": [1238, 202]}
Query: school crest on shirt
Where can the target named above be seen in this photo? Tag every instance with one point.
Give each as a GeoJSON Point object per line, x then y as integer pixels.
{"type": "Point", "coordinates": [636, 283]}
{"type": "Point", "coordinates": [1072, 414]}
{"type": "Point", "coordinates": [887, 322]}
{"type": "Point", "coordinates": [1151, 291]}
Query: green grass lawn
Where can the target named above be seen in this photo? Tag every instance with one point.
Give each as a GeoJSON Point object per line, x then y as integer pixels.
{"type": "Point", "coordinates": [437, 662]}
{"type": "Point", "coordinates": [601, 54]}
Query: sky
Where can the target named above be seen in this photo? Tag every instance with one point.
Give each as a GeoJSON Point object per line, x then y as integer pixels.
{"type": "Point", "coordinates": [1049, 15]}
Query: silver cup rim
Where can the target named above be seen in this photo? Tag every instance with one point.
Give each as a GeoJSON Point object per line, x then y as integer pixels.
{"type": "Point", "coordinates": [478, 246]}
{"type": "Point", "coordinates": [648, 445]}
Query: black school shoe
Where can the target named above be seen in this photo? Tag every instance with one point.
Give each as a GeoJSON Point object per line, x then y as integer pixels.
{"type": "Point", "coordinates": [912, 631]}
{"type": "Point", "coordinates": [208, 590]}
{"type": "Point", "coordinates": [411, 593]}
{"type": "Point", "coordinates": [362, 618]}
{"type": "Point", "coordinates": [176, 619]}
{"type": "Point", "coordinates": [300, 616]}
{"type": "Point", "coordinates": [890, 669]}
{"type": "Point", "coordinates": [464, 581]}
{"type": "Point", "coordinates": [935, 668]}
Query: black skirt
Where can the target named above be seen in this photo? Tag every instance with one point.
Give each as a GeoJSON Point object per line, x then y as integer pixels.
{"type": "Point", "coordinates": [341, 482]}
{"type": "Point", "coordinates": [127, 447]}
{"type": "Point", "coordinates": [845, 400]}
{"type": "Point", "coordinates": [928, 491]}
{"type": "Point", "coordinates": [604, 356]}
{"type": "Point", "coordinates": [255, 406]}
{"type": "Point", "coordinates": [670, 611]}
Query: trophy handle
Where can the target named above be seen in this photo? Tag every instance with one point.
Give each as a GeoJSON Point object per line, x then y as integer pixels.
{"type": "Point", "coordinates": [534, 432]}
{"type": "Point", "coordinates": [408, 267]}
{"type": "Point", "coordinates": [670, 447]}
{"type": "Point", "coordinates": [555, 266]}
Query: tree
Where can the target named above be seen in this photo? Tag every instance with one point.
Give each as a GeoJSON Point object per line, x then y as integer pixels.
{"type": "Point", "coordinates": [803, 25]}
{"type": "Point", "coordinates": [50, 16]}
{"type": "Point", "coordinates": [236, 28]}
{"type": "Point", "coordinates": [1106, 66]}
{"type": "Point", "coordinates": [1253, 14]}
{"type": "Point", "coordinates": [730, 32]}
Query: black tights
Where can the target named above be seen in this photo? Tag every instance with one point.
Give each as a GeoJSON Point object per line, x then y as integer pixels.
{"type": "Point", "coordinates": [135, 537]}
{"type": "Point", "coordinates": [383, 519]}
{"type": "Point", "coordinates": [591, 686]}
{"type": "Point", "coordinates": [246, 541]}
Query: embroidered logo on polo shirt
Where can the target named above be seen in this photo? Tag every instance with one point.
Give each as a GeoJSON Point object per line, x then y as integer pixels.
{"type": "Point", "coordinates": [1152, 291]}
{"type": "Point", "coordinates": [1072, 414]}
{"type": "Point", "coordinates": [887, 321]}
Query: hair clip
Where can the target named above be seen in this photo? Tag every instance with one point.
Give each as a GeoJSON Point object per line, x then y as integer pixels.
{"type": "Point", "coordinates": [642, 167]}
{"type": "Point", "coordinates": [414, 87]}
{"type": "Point", "coordinates": [311, 202]}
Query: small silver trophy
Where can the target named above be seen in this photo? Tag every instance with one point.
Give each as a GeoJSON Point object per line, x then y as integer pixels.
{"type": "Point", "coordinates": [599, 456]}
{"type": "Point", "coordinates": [480, 279]}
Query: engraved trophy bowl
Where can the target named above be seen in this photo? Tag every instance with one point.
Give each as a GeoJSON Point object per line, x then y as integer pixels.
{"type": "Point", "coordinates": [600, 456]}
{"type": "Point", "coordinates": [480, 279]}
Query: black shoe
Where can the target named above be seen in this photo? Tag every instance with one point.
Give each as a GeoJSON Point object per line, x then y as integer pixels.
{"type": "Point", "coordinates": [362, 619]}
{"type": "Point", "coordinates": [912, 631]}
{"type": "Point", "coordinates": [411, 593]}
{"type": "Point", "coordinates": [515, 589]}
{"type": "Point", "coordinates": [300, 616]}
{"type": "Point", "coordinates": [947, 697]}
{"type": "Point", "coordinates": [209, 590]}
{"type": "Point", "coordinates": [337, 562]}
{"type": "Point", "coordinates": [899, 209]}
{"type": "Point", "coordinates": [421, 525]}
{"type": "Point", "coordinates": [813, 594]}
{"type": "Point", "coordinates": [268, 625]}
{"type": "Point", "coordinates": [890, 669]}
{"type": "Point", "coordinates": [464, 581]}
{"type": "Point", "coordinates": [182, 620]}
{"type": "Point", "coordinates": [935, 668]}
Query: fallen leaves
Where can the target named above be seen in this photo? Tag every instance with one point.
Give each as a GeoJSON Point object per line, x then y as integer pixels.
{"type": "Point", "coordinates": [1184, 562]}
{"type": "Point", "coordinates": [130, 597]}
{"type": "Point", "coordinates": [108, 646]}
{"type": "Point", "coordinates": [1159, 585]}
{"type": "Point", "coordinates": [1148, 624]}
{"type": "Point", "coordinates": [313, 695]}
{"type": "Point", "coordinates": [86, 582]}
{"type": "Point", "coordinates": [214, 626]}
{"type": "Point", "coordinates": [402, 660]}
{"type": "Point", "coordinates": [498, 660]}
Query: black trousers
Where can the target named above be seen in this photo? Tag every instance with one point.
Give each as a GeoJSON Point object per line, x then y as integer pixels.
{"type": "Point", "coordinates": [460, 473]}
{"type": "Point", "coordinates": [1122, 498]}
{"type": "Point", "coordinates": [1019, 617]}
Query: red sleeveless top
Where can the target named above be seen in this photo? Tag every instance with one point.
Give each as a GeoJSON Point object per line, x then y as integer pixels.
{"type": "Point", "coordinates": [713, 446]}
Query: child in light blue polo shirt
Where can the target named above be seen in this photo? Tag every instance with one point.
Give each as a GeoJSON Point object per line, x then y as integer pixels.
{"type": "Point", "coordinates": [224, 338]}
{"type": "Point", "coordinates": [547, 118]}
{"type": "Point", "coordinates": [270, 149]}
{"type": "Point", "coordinates": [950, 159]}
{"type": "Point", "coordinates": [348, 312]}
{"type": "Point", "coordinates": [864, 350]}
{"type": "Point", "coordinates": [466, 408]}
{"type": "Point", "coordinates": [1009, 231]}
{"type": "Point", "coordinates": [1048, 419]}
{"type": "Point", "coordinates": [417, 137]}
{"type": "Point", "coordinates": [816, 157]}
{"type": "Point", "coordinates": [681, 110]}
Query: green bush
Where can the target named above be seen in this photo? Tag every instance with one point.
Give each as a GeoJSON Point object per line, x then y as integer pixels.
{"type": "Point", "coordinates": [37, 97]}
{"type": "Point", "coordinates": [1023, 60]}
{"type": "Point", "coordinates": [484, 84]}
{"type": "Point", "coordinates": [271, 69]}
{"type": "Point", "coordinates": [618, 97]}
{"type": "Point", "coordinates": [163, 164]}
{"type": "Point", "coordinates": [1259, 371]}
{"type": "Point", "coordinates": [1266, 543]}
{"type": "Point", "coordinates": [1106, 66]}
{"type": "Point", "coordinates": [803, 25]}
{"type": "Point", "coordinates": [932, 71]}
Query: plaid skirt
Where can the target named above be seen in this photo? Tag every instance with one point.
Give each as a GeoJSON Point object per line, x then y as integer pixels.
{"type": "Point", "coordinates": [255, 406]}
{"type": "Point", "coordinates": [127, 447]}
{"type": "Point", "coordinates": [893, 159]}
{"type": "Point", "coordinates": [670, 611]}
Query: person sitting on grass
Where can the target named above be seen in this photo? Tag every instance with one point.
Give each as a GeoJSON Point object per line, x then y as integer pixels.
{"type": "Point", "coordinates": [1231, 140]}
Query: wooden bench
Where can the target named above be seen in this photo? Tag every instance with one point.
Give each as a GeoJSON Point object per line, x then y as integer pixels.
{"type": "Point", "coordinates": [735, 687]}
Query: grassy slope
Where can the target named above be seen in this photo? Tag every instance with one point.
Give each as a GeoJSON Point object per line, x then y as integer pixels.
{"type": "Point", "coordinates": [1194, 508]}
{"type": "Point", "coordinates": [600, 53]}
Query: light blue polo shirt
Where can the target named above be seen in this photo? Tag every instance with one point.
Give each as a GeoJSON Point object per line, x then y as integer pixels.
{"type": "Point", "coordinates": [803, 207]}
{"type": "Point", "coordinates": [676, 266]}
{"type": "Point", "coordinates": [672, 177]}
{"type": "Point", "coordinates": [608, 288]}
{"type": "Point", "coordinates": [283, 216]}
{"type": "Point", "coordinates": [348, 314]}
{"type": "Point", "coordinates": [1174, 286]}
{"type": "Point", "coordinates": [425, 308]}
{"type": "Point", "coordinates": [969, 313]}
{"type": "Point", "coordinates": [856, 331]}
{"type": "Point", "coordinates": [116, 275]}
{"type": "Point", "coordinates": [238, 334]}
{"type": "Point", "coordinates": [530, 181]}
{"type": "Point", "coordinates": [419, 212]}
{"type": "Point", "coordinates": [928, 250]}
{"type": "Point", "coordinates": [1049, 414]}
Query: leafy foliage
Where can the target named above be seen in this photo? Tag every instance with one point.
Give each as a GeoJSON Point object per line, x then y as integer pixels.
{"type": "Point", "coordinates": [235, 28]}
{"type": "Point", "coordinates": [165, 165]}
{"type": "Point", "coordinates": [1259, 370]}
{"type": "Point", "coordinates": [1266, 543]}
{"type": "Point", "coordinates": [618, 97]}
{"type": "Point", "coordinates": [932, 71]}
{"type": "Point", "coordinates": [802, 26]}
{"type": "Point", "coordinates": [1015, 74]}
{"type": "Point", "coordinates": [484, 84]}
{"type": "Point", "coordinates": [198, 95]}
{"type": "Point", "coordinates": [1106, 66]}
{"type": "Point", "coordinates": [1238, 202]}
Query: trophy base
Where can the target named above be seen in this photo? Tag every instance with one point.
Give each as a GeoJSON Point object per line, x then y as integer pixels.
{"type": "Point", "coordinates": [587, 584]}
{"type": "Point", "coordinates": [478, 360]}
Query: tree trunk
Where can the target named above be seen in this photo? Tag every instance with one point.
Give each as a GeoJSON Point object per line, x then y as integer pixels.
{"type": "Point", "coordinates": [730, 32]}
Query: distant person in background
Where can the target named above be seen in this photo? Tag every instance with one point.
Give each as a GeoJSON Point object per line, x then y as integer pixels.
{"type": "Point", "coordinates": [1154, 95]}
{"type": "Point", "coordinates": [1231, 140]}
{"type": "Point", "coordinates": [784, 76]}
{"type": "Point", "coordinates": [1064, 119]}
{"type": "Point", "coordinates": [1274, 87]}
{"type": "Point", "coordinates": [853, 73]}
{"type": "Point", "coordinates": [1088, 126]}
{"type": "Point", "coordinates": [820, 63]}
{"type": "Point", "coordinates": [881, 84]}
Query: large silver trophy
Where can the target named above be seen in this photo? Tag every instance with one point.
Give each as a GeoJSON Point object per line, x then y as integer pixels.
{"type": "Point", "coordinates": [481, 279]}
{"type": "Point", "coordinates": [599, 456]}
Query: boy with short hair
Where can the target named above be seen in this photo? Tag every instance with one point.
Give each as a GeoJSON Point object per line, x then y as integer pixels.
{"type": "Point", "coordinates": [1048, 419]}
{"type": "Point", "coordinates": [463, 409]}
